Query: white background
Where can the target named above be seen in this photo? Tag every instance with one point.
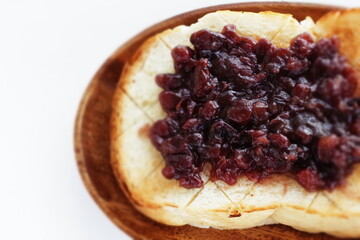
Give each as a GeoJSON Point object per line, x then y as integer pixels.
{"type": "Point", "coordinates": [48, 53]}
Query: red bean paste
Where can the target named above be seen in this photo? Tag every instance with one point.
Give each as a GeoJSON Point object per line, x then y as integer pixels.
{"type": "Point", "coordinates": [250, 108]}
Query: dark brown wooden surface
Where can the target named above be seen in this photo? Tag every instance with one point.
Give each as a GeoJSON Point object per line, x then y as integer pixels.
{"type": "Point", "coordinates": [92, 141]}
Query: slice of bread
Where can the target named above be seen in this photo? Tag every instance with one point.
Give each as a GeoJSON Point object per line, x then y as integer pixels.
{"type": "Point", "coordinates": [277, 199]}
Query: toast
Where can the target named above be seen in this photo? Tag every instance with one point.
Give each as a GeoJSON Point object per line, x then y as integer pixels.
{"type": "Point", "coordinates": [278, 198]}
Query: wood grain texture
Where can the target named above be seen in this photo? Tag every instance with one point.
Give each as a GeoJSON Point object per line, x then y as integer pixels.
{"type": "Point", "coordinates": [92, 140]}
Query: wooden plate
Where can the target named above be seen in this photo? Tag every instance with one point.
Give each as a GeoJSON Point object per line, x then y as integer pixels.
{"type": "Point", "coordinates": [92, 140]}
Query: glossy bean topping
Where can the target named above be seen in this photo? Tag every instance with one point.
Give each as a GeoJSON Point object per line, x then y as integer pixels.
{"type": "Point", "coordinates": [250, 108]}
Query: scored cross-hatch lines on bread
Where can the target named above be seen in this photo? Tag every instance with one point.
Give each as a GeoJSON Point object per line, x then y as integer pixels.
{"type": "Point", "coordinates": [326, 205]}
{"type": "Point", "coordinates": [294, 206]}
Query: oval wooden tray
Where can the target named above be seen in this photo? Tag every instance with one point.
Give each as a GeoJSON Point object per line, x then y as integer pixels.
{"type": "Point", "coordinates": [92, 140]}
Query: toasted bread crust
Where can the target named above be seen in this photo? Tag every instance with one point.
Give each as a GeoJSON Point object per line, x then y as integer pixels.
{"type": "Point", "coordinates": [277, 199]}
